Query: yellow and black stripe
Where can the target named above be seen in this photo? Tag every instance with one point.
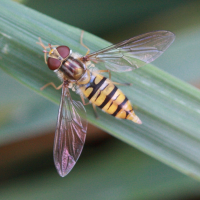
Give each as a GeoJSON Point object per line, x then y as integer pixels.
{"type": "Point", "coordinates": [104, 94]}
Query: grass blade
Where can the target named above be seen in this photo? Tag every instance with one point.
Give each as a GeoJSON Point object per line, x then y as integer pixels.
{"type": "Point", "coordinates": [168, 107]}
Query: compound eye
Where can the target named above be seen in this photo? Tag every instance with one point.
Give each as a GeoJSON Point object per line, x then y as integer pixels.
{"type": "Point", "coordinates": [53, 63]}
{"type": "Point", "coordinates": [64, 51]}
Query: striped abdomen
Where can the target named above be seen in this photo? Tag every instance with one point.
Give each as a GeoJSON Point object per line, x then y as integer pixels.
{"type": "Point", "coordinates": [104, 94]}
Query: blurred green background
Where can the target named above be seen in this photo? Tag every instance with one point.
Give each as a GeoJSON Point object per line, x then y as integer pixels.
{"type": "Point", "coordinates": [107, 168]}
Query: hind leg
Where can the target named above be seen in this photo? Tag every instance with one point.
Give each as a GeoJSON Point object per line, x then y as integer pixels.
{"type": "Point", "coordinates": [116, 83]}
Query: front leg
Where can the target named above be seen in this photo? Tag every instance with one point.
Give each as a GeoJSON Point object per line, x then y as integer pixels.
{"type": "Point", "coordinates": [53, 85]}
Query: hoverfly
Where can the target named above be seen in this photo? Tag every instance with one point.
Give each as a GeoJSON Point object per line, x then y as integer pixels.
{"type": "Point", "coordinates": [73, 70]}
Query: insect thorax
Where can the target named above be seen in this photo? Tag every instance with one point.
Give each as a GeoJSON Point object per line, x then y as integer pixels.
{"type": "Point", "coordinates": [71, 69]}
{"type": "Point", "coordinates": [74, 71]}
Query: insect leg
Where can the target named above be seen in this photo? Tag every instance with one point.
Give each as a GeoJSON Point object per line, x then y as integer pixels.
{"type": "Point", "coordinates": [52, 84]}
{"type": "Point", "coordinates": [124, 84]}
{"type": "Point", "coordinates": [93, 105]}
{"type": "Point", "coordinates": [95, 111]}
{"type": "Point", "coordinates": [116, 83]}
{"type": "Point", "coordinates": [106, 70]}
{"type": "Point", "coordinates": [81, 41]}
{"type": "Point", "coordinates": [45, 48]}
{"type": "Point", "coordinates": [83, 100]}
{"type": "Point", "coordinates": [42, 44]}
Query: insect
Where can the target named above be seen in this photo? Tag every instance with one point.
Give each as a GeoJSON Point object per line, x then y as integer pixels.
{"type": "Point", "coordinates": [73, 70]}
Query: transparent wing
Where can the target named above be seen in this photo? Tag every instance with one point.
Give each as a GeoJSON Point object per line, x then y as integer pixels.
{"type": "Point", "coordinates": [134, 52]}
{"type": "Point", "coordinates": [70, 133]}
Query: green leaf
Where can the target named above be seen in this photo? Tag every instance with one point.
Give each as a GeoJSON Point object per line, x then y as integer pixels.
{"type": "Point", "coordinates": [168, 107]}
{"type": "Point", "coordinates": [106, 172]}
